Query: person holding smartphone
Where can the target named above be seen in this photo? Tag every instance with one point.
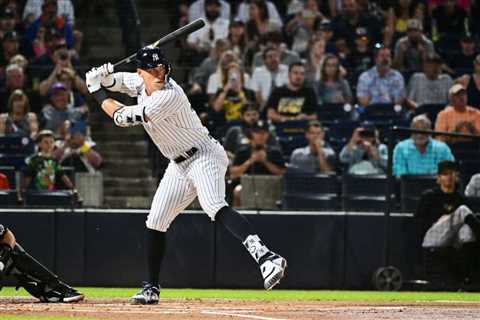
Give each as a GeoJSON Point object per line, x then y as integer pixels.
{"type": "Point", "coordinates": [364, 154]}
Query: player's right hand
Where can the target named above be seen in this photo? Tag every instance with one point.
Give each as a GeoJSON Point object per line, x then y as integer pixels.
{"type": "Point", "coordinates": [106, 72]}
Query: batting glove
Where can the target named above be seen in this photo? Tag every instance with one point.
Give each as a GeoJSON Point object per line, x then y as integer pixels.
{"type": "Point", "coordinates": [93, 79]}
{"type": "Point", "coordinates": [106, 71]}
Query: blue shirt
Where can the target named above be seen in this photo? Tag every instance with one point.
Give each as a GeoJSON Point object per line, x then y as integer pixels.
{"type": "Point", "coordinates": [408, 160]}
{"type": "Point", "coordinates": [387, 89]}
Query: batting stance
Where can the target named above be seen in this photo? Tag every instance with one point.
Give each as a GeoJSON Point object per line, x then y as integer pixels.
{"type": "Point", "coordinates": [31, 274]}
{"type": "Point", "coordinates": [197, 167]}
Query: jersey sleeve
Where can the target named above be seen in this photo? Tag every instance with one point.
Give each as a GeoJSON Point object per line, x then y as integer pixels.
{"type": "Point", "coordinates": [127, 83]}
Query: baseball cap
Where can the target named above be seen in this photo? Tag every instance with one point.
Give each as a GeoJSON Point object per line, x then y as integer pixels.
{"type": "Point", "coordinates": [55, 87]}
{"type": "Point", "coordinates": [248, 107]}
{"type": "Point", "coordinates": [10, 36]}
{"type": "Point", "coordinates": [414, 24]}
{"type": "Point", "coordinates": [467, 38]}
{"type": "Point", "coordinates": [237, 23]}
{"type": "Point", "coordinates": [435, 58]}
{"type": "Point", "coordinates": [260, 125]}
{"type": "Point", "coordinates": [44, 133]}
{"type": "Point", "coordinates": [446, 165]}
{"type": "Point", "coordinates": [208, 2]}
{"type": "Point", "coordinates": [456, 89]}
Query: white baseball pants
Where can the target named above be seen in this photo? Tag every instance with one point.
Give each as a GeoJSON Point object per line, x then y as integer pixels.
{"type": "Point", "coordinates": [202, 175]}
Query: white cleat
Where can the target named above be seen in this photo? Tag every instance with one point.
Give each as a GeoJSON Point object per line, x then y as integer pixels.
{"type": "Point", "coordinates": [148, 295]}
{"type": "Point", "coordinates": [273, 270]}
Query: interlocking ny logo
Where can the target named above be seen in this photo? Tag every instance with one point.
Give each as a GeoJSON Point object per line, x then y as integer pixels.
{"type": "Point", "coordinates": [155, 57]}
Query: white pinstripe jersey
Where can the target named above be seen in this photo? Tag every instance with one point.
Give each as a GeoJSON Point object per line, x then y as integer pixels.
{"type": "Point", "coordinates": [173, 125]}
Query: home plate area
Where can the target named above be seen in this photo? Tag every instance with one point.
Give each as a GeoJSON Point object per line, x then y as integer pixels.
{"type": "Point", "coordinates": [241, 309]}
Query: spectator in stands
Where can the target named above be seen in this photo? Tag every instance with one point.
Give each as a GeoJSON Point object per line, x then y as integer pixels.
{"type": "Point", "coordinates": [215, 80]}
{"type": "Point", "coordinates": [302, 27]}
{"type": "Point", "coordinates": [473, 187]}
{"type": "Point", "coordinates": [325, 31]}
{"type": "Point", "coordinates": [448, 23]}
{"type": "Point", "coordinates": [460, 62]}
{"type": "Point", "coordinates": [57, 55]}
{"type": "Point", "coordinates": [274, 39]}
{"type": "Point", "coordinates": [412, 49]}
{"type": "Point", "coordinates": [19, 121]}
{"type": "Point", "coordinates": [315, 56]}
{"type": "Point", "coordinates": [19, 60]}
{"type": "Point", "coordinates": [317, 156]}
{"type": "Point", "coordinates": [238, 136]}
{"type": "Point", "coordinates": [244, 12]}
{"type": "Point", "coordinates": [364, 154]}
{"type": "Point", "coordinates": [56, 112]}
{"type": "Point", "coordinates": [203, 40]}
{"type": "Point", "coordinates": [398, 16]}
{"type": "Point", "coordinates": [16, 79]}
{"type": "Point", "coordinates": [259, 23]}
{"type": "Point", "coordinates": [10, 48]}
{"type": "Point", "coordinates": [351, 18]}
{"type": "Point", "coordinates": [332, 87]}
{"type": "Point", "coordinates": [268, 77]}
{"type": "Point", "coordinates": [458, 116]}
{"type": "Point", "coordinates": [419, 154]}
{"type": "Point", "coordinates": [294, 101]}
{"type": "Point", "coordinates": [8, 21]}
{"type": "Point", "coordinates": [75, 87]}
{"type": "Point", "coordinates": [472, 84]}
{"type": "Point", "coordinates": [381, 83]}
{"type": "Point", "coordinates": [429, 86]}
{"type": "Point", "coordinates": [78, 152]}
{"type": "Point", "coordinates": [256, 158]}
{"type": "Point", "coordinates": [237, 37]}
{"type": "Point", "coordinates": [360, 58]}
{"type": "Point", "coordinates": [33, 10]}
{"type": "Point", "coordinates": [43, 172]}
{"type": "Point", "coordinates": [208, 67]}
{"type": "Point", "coordinates": [443, 215]}
{"type": "Point", "coordinates": [49, 19]}
{"type": "Point", "coordinates": [233, 94]}
{"type": "Point", "coordinates": [64, 72]}
{"type": "Point", "coordinates": [197, 10]}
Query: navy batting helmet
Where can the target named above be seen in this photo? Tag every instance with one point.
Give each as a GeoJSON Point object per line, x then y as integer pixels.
{"type": "Point", "coordinates": [148, 58]}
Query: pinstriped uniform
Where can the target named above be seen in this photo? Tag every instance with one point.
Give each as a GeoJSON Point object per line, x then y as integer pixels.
{"type": "Point", "coordinates": [175, 128]}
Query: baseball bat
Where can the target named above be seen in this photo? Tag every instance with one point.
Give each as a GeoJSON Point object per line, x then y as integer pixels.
{"type": "Point", "coordinates": [186, 29]}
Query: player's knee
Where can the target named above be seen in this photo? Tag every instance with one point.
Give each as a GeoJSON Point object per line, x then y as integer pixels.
{"type": "Point", "coordinates": [212, 206]}
{"type": "Point", "coordinates": [150, 224]}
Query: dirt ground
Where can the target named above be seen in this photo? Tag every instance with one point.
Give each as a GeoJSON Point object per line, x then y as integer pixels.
{"type": "Point", "coordinates": [119, 309]}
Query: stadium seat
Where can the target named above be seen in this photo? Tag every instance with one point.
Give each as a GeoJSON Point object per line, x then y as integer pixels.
{"type": "Point", "coordinates": [340, 132]}
{"type": "Point", "coordinates": [291, 128]}
{"type": "Point", "coordinates": [16, 145]}
{"type": "Point", "coordinates": [57, 198]}
{"type": "Point", "coordinates": [291, 143]}
{"type": "Point", "coordinates": [9, 171]}
{"type": "Point", "coordinates": [364, 193]}
{"type": "Point", "coordinates": [431, 110]}
{"type": "Point", "coordinates": [468, 167]}
{"type": "Point", "coordinates": [382, 112]}
{"type": "Point", "coordinates": [464, 150]}
{"type": "Point", "coordinates": [411, 188]}
{"type": "Point", "coordinates": [307, 191]}
{"type": "Point", "coordinates": [8, 198]}
{"type": "Point", "coordinates": [15, 160]}
{"type": "Point", "coordinates": [329, 112]}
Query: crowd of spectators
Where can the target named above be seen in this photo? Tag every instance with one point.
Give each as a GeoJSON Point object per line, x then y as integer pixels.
{"type": "Point", "coordinates": [278, 62]}
{"type": "Point", "coordinates": [42, 93]}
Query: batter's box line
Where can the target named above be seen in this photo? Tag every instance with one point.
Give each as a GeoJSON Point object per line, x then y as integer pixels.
{"type": "Point", "coordinates": [246, 316]}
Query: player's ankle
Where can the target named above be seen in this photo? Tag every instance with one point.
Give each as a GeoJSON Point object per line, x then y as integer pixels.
{"type": "Point", "coordinates": [255, 247]}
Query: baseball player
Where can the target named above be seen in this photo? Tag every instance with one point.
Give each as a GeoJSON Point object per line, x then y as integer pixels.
{"type": "Point", "coordinates": [31, 274]}
{"type": "Point", "coordinates": [197, 167]}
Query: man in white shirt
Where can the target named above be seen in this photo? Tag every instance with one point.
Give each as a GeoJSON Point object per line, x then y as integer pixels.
{"type": "Point", "coordinates": [243, 13]}
{"type": "Point", "coordinates": [197, 10]}
{"type": "Point", "coordinates": [269, 76]}
{"type": "Point", "coordinates": [216, 28]}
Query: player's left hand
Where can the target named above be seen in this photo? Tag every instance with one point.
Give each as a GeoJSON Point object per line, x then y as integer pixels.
{"type": "Point", "coordinates": [93, 79]}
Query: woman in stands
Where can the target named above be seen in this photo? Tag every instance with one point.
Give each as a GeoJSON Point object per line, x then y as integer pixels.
{"type": "Point", "coordinates": [19, 121]}
{"type": "Point", "coordinates": [332, 87]}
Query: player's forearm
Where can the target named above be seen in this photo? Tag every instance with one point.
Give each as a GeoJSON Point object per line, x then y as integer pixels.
{"type": "Point", "coordinates": [109, 106]}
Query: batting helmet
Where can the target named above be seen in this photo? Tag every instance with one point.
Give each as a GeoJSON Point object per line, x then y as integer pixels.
{"type": "Point", "coordinates": [148, 58]}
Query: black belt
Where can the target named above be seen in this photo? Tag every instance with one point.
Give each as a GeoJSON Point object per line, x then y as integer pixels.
{"type": "Point", "coordinates": [187, 155]}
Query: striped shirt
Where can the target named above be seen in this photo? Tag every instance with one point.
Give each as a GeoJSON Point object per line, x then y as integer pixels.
{"type": "Point", "coordinates": [172, 124]}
